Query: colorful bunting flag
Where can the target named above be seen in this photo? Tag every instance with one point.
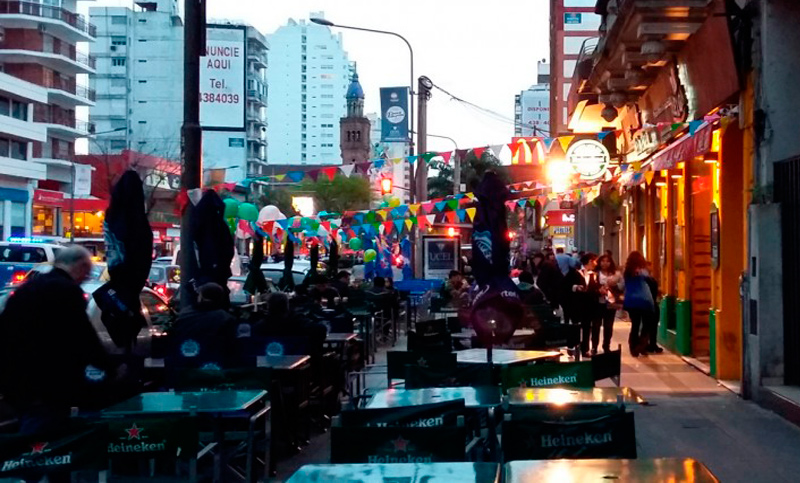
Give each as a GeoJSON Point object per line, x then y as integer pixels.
{"type": "Point", "coordinates": [471, 213]}
{"type": "Point", "coordinates": [565, 141]}
{"type": "Point", "coordinates": [347, 169]}
{"type": "Point", "coordinates": [446, 156]}
{"type": "Point", "coordinates": [548, 143]}
{"type": "Point", "coordinates": [478, 152]}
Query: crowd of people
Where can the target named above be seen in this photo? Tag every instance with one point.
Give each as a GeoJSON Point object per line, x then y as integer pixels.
{"type": "Point", "coordinates": [589, 290]}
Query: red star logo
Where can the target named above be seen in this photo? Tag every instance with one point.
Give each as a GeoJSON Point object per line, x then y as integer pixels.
{"type": "Point", "coordinates": [400, 444]}
{"type": "Point", "coordinates": [134, 432]}
{"type": "Point", "coordinates": [38, 448]}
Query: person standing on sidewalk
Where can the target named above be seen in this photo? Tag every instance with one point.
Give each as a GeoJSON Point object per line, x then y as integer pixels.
{"type": "Point", "coordinates": [638, 302]}
{"type": "Point", "coordinates": [610, 281]}
{"type": "Point", "coordinates": [583, 299]}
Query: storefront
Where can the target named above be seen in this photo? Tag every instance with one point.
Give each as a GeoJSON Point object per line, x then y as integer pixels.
{"type": "Point", "coordinates": [47, 211]}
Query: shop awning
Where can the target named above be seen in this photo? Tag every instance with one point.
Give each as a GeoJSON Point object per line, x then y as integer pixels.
{"type": "Point", "coordinates": [684, 148]}
{"type": "Point", "coordinates": [57, 199]}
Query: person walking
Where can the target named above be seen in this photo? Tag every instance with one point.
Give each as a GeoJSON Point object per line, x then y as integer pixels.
{"type": "Point", "coordinates": [610, 281]}
{"type": "Point", "coordinates": [51, 358]}
{"type": "Point", "coordinates": [638, 302]}
{"type": "Point", "coordinates": [583, 300]}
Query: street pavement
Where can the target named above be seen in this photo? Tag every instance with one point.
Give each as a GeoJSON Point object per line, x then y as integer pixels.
{"type": "Point", "coordinates": [689, 415]}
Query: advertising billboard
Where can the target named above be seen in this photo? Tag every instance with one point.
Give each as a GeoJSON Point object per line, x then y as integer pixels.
{"type": "Point", "coordinates": [535, 111]}
{"type": "Point", "coordinates": [222, 78]}
{"type": "Point", "coordinates": [394, 114]}
{"type": "Point", "coordinates": [440, 256]}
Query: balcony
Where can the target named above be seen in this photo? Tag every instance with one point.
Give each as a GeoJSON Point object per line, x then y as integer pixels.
{"type": "Point", "coordinates": [258, 58]}
{"type": "Point", "coordinates": [254, 95]}
{"type": "Point", "coordinates": [67, 93]}
{"type": "Point", "coordinates": [60, 22]}
{"type": "Point", "coordinates": [61, 57]}
{"type": "Point", "coordinates": [637, 38]}
{"type": "Point", "coordinates": [62, 122]}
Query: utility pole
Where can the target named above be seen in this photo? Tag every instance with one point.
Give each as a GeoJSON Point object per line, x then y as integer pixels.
{"type": "Point", "coordinates": [421, 176]}
{"type": "Point", "coordinates": [456, 173]}
{"type": "Point", "coordinates": [194, 45]}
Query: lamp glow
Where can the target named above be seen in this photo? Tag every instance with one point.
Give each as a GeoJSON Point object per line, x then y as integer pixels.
{"type": "Point", "coordinates": [558, 173]}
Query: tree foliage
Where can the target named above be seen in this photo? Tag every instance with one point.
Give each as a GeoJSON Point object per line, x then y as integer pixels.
{"type": "Point", "coordinates": [472, 171]}
{"type": "Point", "coordinates": [342, 194]}
{"type": "Point", "coordinates": [279, 197]}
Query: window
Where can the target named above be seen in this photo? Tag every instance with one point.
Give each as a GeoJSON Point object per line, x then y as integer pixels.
{"type": "Point", "coordinates": [143, 81]}
{"type": "Point", "coordinates": [142, 122]}
{"type": "Point", "coordinates": [117, 144]}
{"type": "Point", "coordinates": [118, 61]}
{"type": "Point", "coordinates": [142, 20]}
{"type": "Point", "coordinates": [326, 96]}
{"type": "Point", "coordinates": [327, 135]}
{"type": "Point", "coordinates": [327, 67]}
{"type": "Point", "coordinates": [20, 253]}
{"type": "Point", "coordinates": [118, 40]}
{"type": "Point", "coordinates": [5, 106]}
{"type": "Point", "coordinates": [321, 47]}
{"type": "Point", "coordinates": [324, 106]}
{"type": "Point", "coordinates": [327, 86]}
{"type": "Point", "coordinates": [142, 40]}
{"type": "Point", "coordinates": [303, 58]}
{"type": "Point", "coordinates": [142, 61]}
{"type": "Point", "coordinates": [5, 144]}
{"type": "Point", "coordinates": [19, 150]}
{"type": "Point", "coordinates": [327, 116]}
{"type": "Point", "coordinates": [304, 38]}
{"type": "Point", "coordinates": [119, 20]}
{"type": "Point", "coordinates": [303, 78]}
{"type": "Point", "coordinates": [303, 146]}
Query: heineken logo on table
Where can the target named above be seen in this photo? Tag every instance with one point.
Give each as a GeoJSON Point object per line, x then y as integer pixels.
{"type": "Point", "coordinates": [140, 445]}
{"type": "Point", "coordinates": [419, 423]}
{"type": "Point", "coordinates": [585, 439]}
{"type": "Point", "coordinates": [400, 450]}
{"type": "Point", "coordinates": [559, 380]}
{"type": "Point", "coordinates": [39, 457]}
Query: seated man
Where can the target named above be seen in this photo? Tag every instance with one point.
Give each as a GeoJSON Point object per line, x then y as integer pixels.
{"type": "Point", "coordinates": [208, 328]}
{"type": "Point", "coordinates": [454, 290]}
{"type": "Point", "coordinates": [281, 322]}
{"type": "Point", "coordinates": [342, 283]}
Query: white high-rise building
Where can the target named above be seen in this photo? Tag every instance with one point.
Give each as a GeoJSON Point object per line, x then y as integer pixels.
{"type": "Point", "coordinates": [139, 84]}
{"type": "Point", "coordinates": [532, 106]}
{"type": "Point", "coordinates": [308, 78]}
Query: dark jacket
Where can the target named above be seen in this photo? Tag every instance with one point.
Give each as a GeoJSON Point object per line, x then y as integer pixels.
{"type": "Point", "coordinates": [583, 305]}
{"type": "Point", "coordinates": [214, 332]}
{"type": "Point", "coordinates": [46, 344]}
{"type": "Point", "coordinates": [550, 282]}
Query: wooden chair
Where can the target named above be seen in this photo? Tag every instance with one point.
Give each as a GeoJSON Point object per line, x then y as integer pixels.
{"type": "Point", "coordinates": [611, 435]}
{"type": "Point", "coordinates": [425, 415]}
{"type": "Point", "coordinates": [557, 374]}
{"type": "Point", "coordinates": [417, 377]}
{"type": "Point", "coordinates": [608, 365]}
{"type": "Point", "coordinates": [397, 444]}
{"type": "Point", "coordinates": [398, 361]}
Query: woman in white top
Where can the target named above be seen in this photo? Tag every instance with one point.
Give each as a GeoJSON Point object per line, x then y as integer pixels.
{"type": "Point", "coordinates": [611, 286]}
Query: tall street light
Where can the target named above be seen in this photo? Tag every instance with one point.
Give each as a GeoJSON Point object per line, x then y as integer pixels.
{"type": "Point", "coordinates": [328, 23]}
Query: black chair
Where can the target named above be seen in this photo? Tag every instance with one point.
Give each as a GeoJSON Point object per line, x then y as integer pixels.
{"type": "Point", "coordinates": [398, 444]}
{"type": "Point", "coordinates": [425, 415]}
{"type": "Point", "coordinates": [608, 365]}
{"type": "Point", "coordinates": [398, 361]}
{"type": "Point", "coordinates": [611, 435]}
{"type": "Point", "coordinates": [462, 376]}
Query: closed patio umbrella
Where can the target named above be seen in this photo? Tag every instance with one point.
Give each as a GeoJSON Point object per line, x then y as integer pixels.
{"type": "Point", "coordinates": [286, 282]}
{"type": "Point", "coordinates": [213, 241]}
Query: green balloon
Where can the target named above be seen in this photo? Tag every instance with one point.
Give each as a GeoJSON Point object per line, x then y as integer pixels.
{"type": "Point", "coordinates": [248, 212]}
{"type": "Point", "coordinates": [355, 243]}
{"type": "Point", "coordinates": [370, 255]}
{"type": "Point", "coordinates": [232, 225]}
{"type": "Point", "coordinates": [231, 207]}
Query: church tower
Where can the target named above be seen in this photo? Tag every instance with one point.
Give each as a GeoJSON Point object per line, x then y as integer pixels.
{"type": "Point", "coordinates": [355, 128]}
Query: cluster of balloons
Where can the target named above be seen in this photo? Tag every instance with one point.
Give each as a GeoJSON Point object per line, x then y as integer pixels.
{"type": "Point", "coordinates": [235, 210]}
{"type": "Point", "coordinates": [390, 201]}
{"type": "Point", "coordinates": [369, 255]}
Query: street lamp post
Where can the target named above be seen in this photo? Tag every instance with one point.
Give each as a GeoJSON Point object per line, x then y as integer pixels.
{"type": "Point", "coordinates": [328, 23]}
{"type": "Point", "coordinates": [456, 163]}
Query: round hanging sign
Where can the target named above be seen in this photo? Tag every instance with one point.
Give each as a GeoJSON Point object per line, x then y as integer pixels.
{"type": "Point", "coordinates": [589, 158]}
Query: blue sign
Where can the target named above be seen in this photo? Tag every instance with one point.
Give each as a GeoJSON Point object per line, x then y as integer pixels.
{"type": "Point", "coordinates": [235, 142]}
{"type": "Point", "coordinates": [394, 114]}
{"type": "Point", "coordinates": [572, 18]}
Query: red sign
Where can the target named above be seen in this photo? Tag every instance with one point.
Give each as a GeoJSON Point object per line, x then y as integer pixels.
{"type": "Point", "coordinates": [560, 217]}
{"type": "Point", "coordinates": [684, 149]}
{"type": "Point", "coordinates": [48, 198]}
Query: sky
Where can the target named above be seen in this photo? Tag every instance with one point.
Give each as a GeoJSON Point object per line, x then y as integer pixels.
{"type": "Point", "coordinates": [483, 52]}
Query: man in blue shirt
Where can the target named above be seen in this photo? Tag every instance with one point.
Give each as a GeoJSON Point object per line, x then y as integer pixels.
{"type": "Point", "coordinates": [565, 262]}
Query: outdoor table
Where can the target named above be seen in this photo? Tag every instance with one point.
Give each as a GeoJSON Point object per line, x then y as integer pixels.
{"type": "Point", "coordinates": [597, 396]}
{"type": "Point", "coordinates": [340, 337]}
{"type": "Point", "coordinates": [251, 404]}
{"type": "Point", "coordinates": [366, 320]}
{"type": "Point", "coordinates": [638, 470]}
{"type": "Point", "coordinates": [400, 472]}
{"type": "Point", "coordinates": [283, 363]}
{"type": "Point", "coordinates": [518, 334]}
{"type": "Point", "coordinates": [474, 397]}
{"type": "Point", "coordinates": [505, 357]}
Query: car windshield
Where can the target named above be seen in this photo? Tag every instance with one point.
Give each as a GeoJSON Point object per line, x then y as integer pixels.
{"type": "Point", "coordinates": [22, 254]}
{"type": "Point", "coordinates": [157, 275]}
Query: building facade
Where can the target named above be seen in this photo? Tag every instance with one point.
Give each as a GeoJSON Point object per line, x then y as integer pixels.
{"type": "Point", "coordinates": [308, 77]}
{"type": "Point", "coordinates": [355, 128]}
{"type": "Point", "coordinates": [42, 56]}
{"type": "Point", "coordinates": [140, 84]}
{"type": "Point", "coordinates": [572, 24]}
{"type": "Point", "coordinates": [532, 106]}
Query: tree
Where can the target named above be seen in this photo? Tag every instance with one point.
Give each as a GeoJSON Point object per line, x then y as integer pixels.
{"type": "Point", "coordinates": [340, 195]}
{"type": "Point", "coordinates": [472, 171]}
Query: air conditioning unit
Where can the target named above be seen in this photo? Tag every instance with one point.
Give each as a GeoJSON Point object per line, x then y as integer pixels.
{"type": "Point", "coordinates": [113, 48]}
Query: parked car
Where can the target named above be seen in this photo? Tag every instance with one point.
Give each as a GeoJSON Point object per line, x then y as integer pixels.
{"type": "Point", "coordinates": [165, 279]}
{"type": "Point", "coordinates": [19, 256]}
{"type": "Point", "coordinates": [98, 273]}
{"type": "Point", "coordinates": [274, 271]}
{"type": "Point", "coordinates": [155, 308]}
{"type": "Point", "coordinates": [238, 294]}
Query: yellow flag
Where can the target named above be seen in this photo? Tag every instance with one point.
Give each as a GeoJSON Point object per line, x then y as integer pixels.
{"type": "Point", "coordinates": [636, 166]}
{"type": "Point", "coordinates": [397, 160]}
{"type": "Point", "coordinates": [409, 224]}
{"type": "Point", "coordinates": [280, 177]}
{"type": "Point", "coordinates": [565, 141]}
{"type": "Point", "coordinates": [648, 176]}
{"type": "Point", "coordinates": [413, 209]}
{"type": "Point", "coordinates": [471, 213]}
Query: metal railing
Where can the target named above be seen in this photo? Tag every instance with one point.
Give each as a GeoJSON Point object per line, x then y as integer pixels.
{"type": "Point", "coordinates": [586, 59]}
{"type": "Point", "coordinates": [71, 87]}
{"type": "Point", "coordinates": [85, 59]}
{"type": "Point", "coordinates": [45, 11]}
